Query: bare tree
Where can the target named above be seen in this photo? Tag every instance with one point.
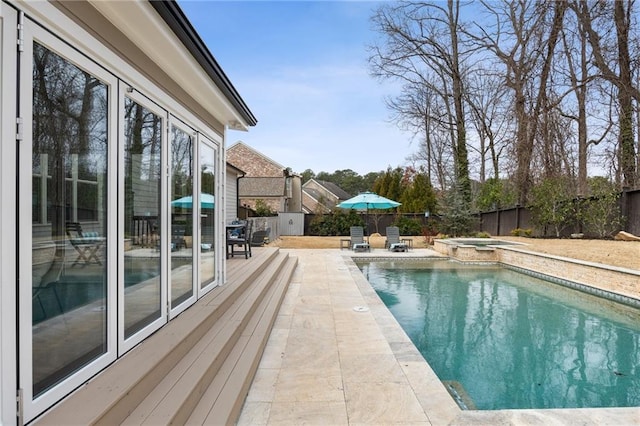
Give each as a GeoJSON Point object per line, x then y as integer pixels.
{"type": "Point", "coordinates": [523, 37]}
{"type": "Point", "coordinates": [486, 100]}
{"type": "Point", "coordinates": [411, 110]}
{"type": "Point", "coordinates": [614, 68]}
{"type": "Point", "coordinates": [422, 50]}
{"type": "Point", "coordinates": [580, 76]}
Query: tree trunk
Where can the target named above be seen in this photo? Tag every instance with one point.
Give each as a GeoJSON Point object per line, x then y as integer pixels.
{"type": "Point", "coordinates": [461, 153]}
{"type": "Point", "coordinates": [625, 100]}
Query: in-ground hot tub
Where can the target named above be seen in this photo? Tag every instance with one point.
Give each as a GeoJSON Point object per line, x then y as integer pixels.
{"type": "Point", "coordinates": [470, 249]}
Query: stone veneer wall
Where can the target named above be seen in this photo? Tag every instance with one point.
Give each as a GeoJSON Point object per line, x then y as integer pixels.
{"type": "Point", "coordinates": [472, 253]}
{"type": "Point", "coordinates": [466, 253]}
{"type": "Point", "coordinates": [616, 280]}
{"type": "Point", "coordinates": [609, 278]}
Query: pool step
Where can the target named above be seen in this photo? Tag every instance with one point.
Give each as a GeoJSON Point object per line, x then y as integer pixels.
{"type": "Point", "coordinates": [459, 394]}
{"type": "Point", "coordinates": [201, 361]}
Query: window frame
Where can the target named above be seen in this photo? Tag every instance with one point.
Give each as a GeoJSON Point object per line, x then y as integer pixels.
{"type": "Point", "coordinates": [219, 247]}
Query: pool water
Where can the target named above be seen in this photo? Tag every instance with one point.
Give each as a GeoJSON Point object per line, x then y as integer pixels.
{"type": "Point", "coordinates": [499, 339]}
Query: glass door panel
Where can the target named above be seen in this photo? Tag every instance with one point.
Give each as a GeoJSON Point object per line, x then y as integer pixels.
{"type": "Point", "coordinates": [69, 218]}
{"type": "Point", "coordinates": [142, 229]}
{"type": "Point", "coordinates": [207, 214]}
{"type": "Point", "coordinates": [182, 196]}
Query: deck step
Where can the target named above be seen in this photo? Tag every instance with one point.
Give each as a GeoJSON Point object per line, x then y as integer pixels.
{"type": "Point", "coordinates": [223, 400]}
{"type": "Point", "coordinates": [179, 392]}
{"type": "Point", "coordinates": [175, 366]}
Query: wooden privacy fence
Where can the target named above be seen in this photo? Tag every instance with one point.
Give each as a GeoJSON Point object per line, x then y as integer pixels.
{"type": "Point", "coordinates": [503, 221]}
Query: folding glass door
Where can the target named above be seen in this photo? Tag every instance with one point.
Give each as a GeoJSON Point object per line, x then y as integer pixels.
{"type": "Point", "coordinates": [142, 283]}
{"type": "Point", "coordinates": [65, 170]}
{"type": "Point", "coordinates": [208, 211]}
{"type": "Point", "coordinates": [183, 211]}
{"type": "Point", "coordinates": [121, 197]}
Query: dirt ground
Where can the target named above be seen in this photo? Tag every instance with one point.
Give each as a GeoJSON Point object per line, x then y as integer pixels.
{"type": "Point", "coordinates": [624, 254]}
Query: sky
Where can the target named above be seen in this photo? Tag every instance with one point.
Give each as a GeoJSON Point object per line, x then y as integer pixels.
{"type": "Point", "coordinates": [301, 67]}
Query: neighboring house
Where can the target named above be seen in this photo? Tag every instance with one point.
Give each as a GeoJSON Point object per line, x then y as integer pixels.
{"type": "Point", "coordinates": [113, 113]}
{"type": "Point", "coordinates": [321, 196]}
{"type": "Point", "coordinates": [265, 180]}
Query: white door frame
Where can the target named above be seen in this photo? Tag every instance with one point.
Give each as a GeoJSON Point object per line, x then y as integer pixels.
{"type": "Point", "coordinates": [175, 310]}
{"type": "Point", "coordinates": [8, 215]}
{"type": "Point", "coordinates": [125, 344]}
{"type": "Point", "coordinates": [218, 247]}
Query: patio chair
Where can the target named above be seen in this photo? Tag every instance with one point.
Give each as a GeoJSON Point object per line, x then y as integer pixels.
{"type": "Point", "coordinates": [86, 244]}
{"type": "Point", "coordinates": [239, 236]}
{"type": "Point", "coordinates": [177, 239]}
{"type": "Point", "coordinates": [357, 242]}
{"type": "Point", "coordinates": [258, 238]}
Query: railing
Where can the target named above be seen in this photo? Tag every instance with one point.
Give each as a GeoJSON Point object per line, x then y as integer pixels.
{"type": "Point", "coordinates": [144, 231]}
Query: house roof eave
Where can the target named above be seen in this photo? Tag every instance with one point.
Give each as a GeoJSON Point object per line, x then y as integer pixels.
{"type": "Point", "coordinates": [163, 32]}
{"type": "Point", "coordinates": [182, 28]}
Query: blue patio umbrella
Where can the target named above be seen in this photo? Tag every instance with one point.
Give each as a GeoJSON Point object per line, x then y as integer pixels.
{"type": "Point", "coordinates": [206, 201]}
{"type": "Point", "coordinates": [368, 200]}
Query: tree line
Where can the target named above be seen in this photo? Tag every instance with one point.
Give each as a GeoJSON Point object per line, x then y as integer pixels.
{"type": "Point", "coordinates": [506, 96]}
{"type": "Point", "coordinates": [407, 185]}
{"type": "Point", "coordinates": [553, 205]}
{"type": "Point", "coordinates": [512, 102]}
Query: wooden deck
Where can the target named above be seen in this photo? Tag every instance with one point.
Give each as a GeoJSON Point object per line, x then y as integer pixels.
{"type": "Point", "coordinates": [197, 369]}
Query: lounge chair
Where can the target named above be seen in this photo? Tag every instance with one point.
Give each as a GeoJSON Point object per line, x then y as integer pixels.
{"type": "Point", "coordinates": [357, 242]}
{"type": "Point", "coordinates": [393, 242]}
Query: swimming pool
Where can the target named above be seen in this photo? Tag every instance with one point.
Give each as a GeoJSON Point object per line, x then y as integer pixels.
{"type": "Point", "coordinates": [500, 339]}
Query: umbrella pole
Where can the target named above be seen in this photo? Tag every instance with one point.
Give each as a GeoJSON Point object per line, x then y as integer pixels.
{"type": "Point", "coordinates": [366, 228]}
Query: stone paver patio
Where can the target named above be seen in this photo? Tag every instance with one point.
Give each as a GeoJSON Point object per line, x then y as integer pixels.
{"type": "Point", "coordinates": [336, 356]}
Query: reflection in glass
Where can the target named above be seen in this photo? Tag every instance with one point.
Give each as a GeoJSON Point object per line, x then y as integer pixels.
{"type": "Point", "coordinates": [143, 138]}
{"type": "Point", "coordinates": [69, 210]}
{"type": "Point", "coordinates": [181, 216]}
{"type": "Point", "coordinates": [207, 231]}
